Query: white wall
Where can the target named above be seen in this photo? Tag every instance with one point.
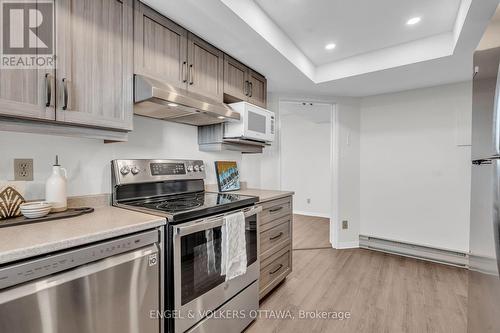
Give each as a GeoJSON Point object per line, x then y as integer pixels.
{"type": "Point", "coordinates": [348, 128]}
{"type": "Point", "coordinates": [305, 156]}
{"type": "Point", "coordinates": [415, 166]}
{"type": "Point", "coordinates": [88, 161]}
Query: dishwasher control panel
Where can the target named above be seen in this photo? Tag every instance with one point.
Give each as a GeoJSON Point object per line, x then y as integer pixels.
{"type": "Point", "coordinates": [33, 269]}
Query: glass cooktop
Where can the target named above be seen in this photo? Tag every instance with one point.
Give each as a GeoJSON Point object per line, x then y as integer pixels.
{"type": "Point", "coordinates": [192, 205]}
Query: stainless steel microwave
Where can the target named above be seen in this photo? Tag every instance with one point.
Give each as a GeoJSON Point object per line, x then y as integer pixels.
{"type": "Point", "coordinates": [255, 123]}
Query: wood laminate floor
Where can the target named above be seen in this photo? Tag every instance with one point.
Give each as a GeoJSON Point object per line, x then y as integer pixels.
{"type": "Point", "coordinates": [310, 232]}
{"type": "Point", "coordinates": [382, 293]}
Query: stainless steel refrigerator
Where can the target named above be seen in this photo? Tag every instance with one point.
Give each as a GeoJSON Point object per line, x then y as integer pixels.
{"type": "Point", "coordinates": [484, 282]}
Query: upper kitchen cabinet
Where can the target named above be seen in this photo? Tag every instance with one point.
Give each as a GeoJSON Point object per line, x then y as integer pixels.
{"type": "Point", "coordinates": [205, 68]}
{"type": "Point", "coordinates": [235, 80]}
{"type": "Point", "coordinates": [258, 89]}
{"type": "Point", "coordinates": [160, 47]}
{"type": "Point", "coordinates": [94, 50]}
{"type": "Point", "coordinates": [243, 84]}
{"type": "Point", "coordinates": [27, 93]}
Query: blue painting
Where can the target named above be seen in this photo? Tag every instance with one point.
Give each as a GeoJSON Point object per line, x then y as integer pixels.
{"type": "Point", "coordinates": [228, 176]}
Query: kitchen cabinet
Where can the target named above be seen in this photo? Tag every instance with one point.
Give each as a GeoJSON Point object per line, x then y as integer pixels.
{"type": "Point", "coordinates": [205, 68]}
{"type": "Point", "coordinates": [235, 80]}
{"type": "Point", "coordinates": [95, 62]}
{"type": "Point", "coordinates": [275, 243]}
{"type": "Point", "coordinates": [26, 93]}
{"type": "Point", "coordinates": [160, 47]}
{"type": "Point", "coordinates": [258, 89]}
{"type": "Point", "coordinates": [169, 53]}
{"type": "Point", "coordinates": [243, 84]}
{"type": "Point", "coordinates": [91, 93]}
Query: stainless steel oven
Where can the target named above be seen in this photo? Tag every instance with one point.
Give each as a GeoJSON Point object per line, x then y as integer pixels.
{"type": "Point", "coordinates": [175, 189]}
{"type": "Point", "coordinates": [199, 285]}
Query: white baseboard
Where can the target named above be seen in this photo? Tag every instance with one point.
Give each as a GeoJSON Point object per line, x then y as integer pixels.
{"type": "Point", "coordinates": [298, 212]}
{"type": "Point", "coordinates": [347, 245]}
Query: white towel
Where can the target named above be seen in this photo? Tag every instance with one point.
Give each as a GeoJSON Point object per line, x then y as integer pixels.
{"type": "Point", "coordinates": [234, 248]}
{"type": "Point", "coordinates": [210, 251]}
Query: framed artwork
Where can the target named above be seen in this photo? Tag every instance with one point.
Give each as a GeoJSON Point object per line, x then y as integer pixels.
{"type": "Point", "coordinates": [228, 177]}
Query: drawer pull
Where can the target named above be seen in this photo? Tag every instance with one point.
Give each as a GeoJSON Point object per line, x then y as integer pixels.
{"type": "Point", "coordinates": [280, 266]}
{"type": "Point", "coordinates": [274, 210]}
{"type": "Point", "coordinates": [276, 237]}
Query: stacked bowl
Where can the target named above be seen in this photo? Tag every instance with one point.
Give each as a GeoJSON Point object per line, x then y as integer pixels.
{"type": "Point", "coordinates": [33, 210]}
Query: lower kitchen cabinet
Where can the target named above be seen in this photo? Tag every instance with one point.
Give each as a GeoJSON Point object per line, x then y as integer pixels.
{"type": "Point", "coordinates": [275, 244]}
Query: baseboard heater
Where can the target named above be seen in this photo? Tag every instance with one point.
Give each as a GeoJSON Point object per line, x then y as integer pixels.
{"type": "Point", "coordinates": [446, 257]}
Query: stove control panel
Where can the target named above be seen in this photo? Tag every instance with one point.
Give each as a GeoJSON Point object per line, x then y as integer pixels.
{"type": "Point", "coordinates": [138, 171]}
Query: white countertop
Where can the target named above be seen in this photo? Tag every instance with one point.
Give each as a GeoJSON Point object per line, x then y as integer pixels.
{"type": "Point", "coordinates": [29, 240]}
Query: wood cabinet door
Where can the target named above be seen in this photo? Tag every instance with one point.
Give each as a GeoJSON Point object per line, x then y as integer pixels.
{"type": "Point", "coordinates": [24, 93]}
{"type": "Point", "coordinates": [235, 79]}
{"type": "Point", "coordinates": [28, 92]}
{"type": "Point", "coordinates": [95, 62]}
{"type": "Point", "coordinates": [258, 89]}
{"type": "Point", "coordinates": [160, 47]}
{"type": "Point", "coordinates": [205, 68]}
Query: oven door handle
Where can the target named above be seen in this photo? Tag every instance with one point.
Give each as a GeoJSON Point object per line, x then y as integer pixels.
{"type": "Point", "coordinates": [212, 222]}
{"type": "Point", "coordinates": [252, 211]}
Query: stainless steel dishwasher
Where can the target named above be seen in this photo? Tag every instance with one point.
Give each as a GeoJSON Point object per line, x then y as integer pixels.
{"type": "Point", "coordinates": [108, 287]}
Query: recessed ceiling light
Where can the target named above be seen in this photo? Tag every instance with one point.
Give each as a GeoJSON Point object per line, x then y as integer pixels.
{"type": "Point", "coordinates": [330, 46]}
{"type": "Point", "coordinates": [221, 117]}
{"type": "Point", "coordinates": [413, 20]}
{"type": "Point", "coordinates": [172, 104]}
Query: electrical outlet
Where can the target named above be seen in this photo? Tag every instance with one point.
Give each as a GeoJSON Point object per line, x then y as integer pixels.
{"type": "Point", "coordinates": [308, 200]}
{"type": "Point", "coordinates": [345, 224]}
{"type": "Point", "coordinates": [23, 169]}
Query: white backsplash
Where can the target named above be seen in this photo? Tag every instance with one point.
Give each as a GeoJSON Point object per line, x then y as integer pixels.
{"type": "Point", "coordinates": [88, 160]}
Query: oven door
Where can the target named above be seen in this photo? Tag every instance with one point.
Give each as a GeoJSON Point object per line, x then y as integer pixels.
{"type": "Point", "coordinates": [259, 124]}
{"type": "Point", "coordinates": [198, 283]}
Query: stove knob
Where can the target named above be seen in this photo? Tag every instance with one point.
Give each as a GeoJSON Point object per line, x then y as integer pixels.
{"type": "Point", "coordinates": [135, 170]}
{"type": "Point", "coordinates": [125, 170]}
{"type": "Point", "coordinates": [202, 168]}
{"type": "Point", "coordinates": [196, 168]}
{"type": "Point", "coordinates": [190, 168]}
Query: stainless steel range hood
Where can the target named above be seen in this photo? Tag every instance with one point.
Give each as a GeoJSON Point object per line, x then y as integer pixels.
{"type": "Point", "coordinates": [160, 100]}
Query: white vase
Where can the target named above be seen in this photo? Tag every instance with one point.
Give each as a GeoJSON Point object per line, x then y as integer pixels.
{"type": "Point", "coordinates": [55, 189]}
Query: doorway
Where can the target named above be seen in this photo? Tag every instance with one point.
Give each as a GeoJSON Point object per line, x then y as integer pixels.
{"type": "Point", "coordinates": [307, 148]}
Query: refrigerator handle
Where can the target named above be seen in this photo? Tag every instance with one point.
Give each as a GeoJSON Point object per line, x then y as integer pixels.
{"type": "Point", "coordinates": [486, 160]}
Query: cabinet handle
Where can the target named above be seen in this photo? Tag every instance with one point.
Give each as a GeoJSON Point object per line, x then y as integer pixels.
{"type": "Point", "coordinates": [280, 266]}
{"type": "Point", "coordinates": [65, 94]}
{"type": "Point", "coordinates": [48, 90]}
{"type": "Point", "coordinates": [276, 237]}
{"type": "Point", "coordinates": [191, 74]}
{"type": "Point", "coordinates": [247, 88]}
{"type": "Point", "coordinates": [275, 209]}
{"type": "Point", "coordinates": [251, 89]}
{"type": "Point", "coordinates": [184, 72]}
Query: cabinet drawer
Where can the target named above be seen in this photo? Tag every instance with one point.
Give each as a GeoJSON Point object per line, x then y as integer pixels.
{"type": "Point", "coordinates": [275, 209]}
{"type": "Point", "coordinates": [273, 239]}
{"type": "Point", "coordinates": [274, 272]}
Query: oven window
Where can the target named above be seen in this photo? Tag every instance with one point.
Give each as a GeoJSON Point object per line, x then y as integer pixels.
{"type": "Point", "coordinates": [256, 122]}
{"type": "Point", "coordinates": [201, 259]}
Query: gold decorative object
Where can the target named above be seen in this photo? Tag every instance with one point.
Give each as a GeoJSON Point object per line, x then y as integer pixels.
{"type": "Point", "coordinates": [10, 202]}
